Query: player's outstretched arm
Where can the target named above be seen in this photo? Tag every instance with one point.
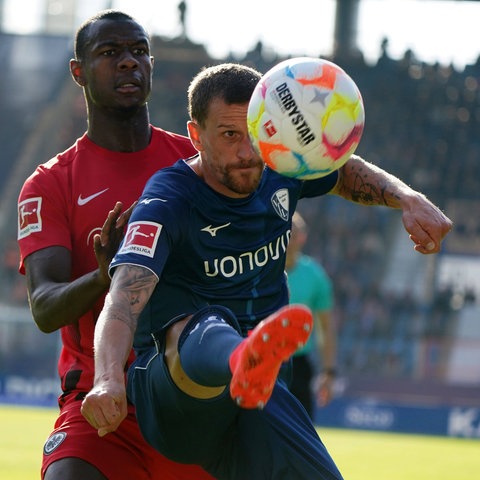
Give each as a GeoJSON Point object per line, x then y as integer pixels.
{"type": "Point", "coordinates": [55, 300]}
{"type": "Point", "coordinates": [105, 406]}
{"type": "Point", "coordinates": [364, 183]}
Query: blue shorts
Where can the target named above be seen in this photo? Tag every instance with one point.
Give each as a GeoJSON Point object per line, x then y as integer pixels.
{"type": "Point", "coordinates": [278, 442]}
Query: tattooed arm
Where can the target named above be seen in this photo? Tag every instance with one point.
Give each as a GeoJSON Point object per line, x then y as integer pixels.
{"type": "Point", "coordinates": [364, 183]}
{"type": "Point", "coordinates": [105, 406]}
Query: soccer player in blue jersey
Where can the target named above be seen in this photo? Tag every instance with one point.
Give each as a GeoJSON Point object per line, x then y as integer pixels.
{"type": "Point", "coordinates": [198, 286]}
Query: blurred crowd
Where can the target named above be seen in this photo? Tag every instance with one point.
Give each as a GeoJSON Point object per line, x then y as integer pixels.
{"type": "Point", "coordinates": [422, 124]}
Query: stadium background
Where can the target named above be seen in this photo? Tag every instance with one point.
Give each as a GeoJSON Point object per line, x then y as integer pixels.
{"type": "Point", "coordinates": [408, 326]}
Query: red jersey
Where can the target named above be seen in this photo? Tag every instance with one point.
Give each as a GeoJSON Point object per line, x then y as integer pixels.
{"type": "Point", "coordinates": [66, 201]}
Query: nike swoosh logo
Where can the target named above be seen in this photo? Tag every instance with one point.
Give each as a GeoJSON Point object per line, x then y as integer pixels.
{"type": "Point", "coordinates": [82, 201]}
{"type": "Point", "coordinates": [213, 230]}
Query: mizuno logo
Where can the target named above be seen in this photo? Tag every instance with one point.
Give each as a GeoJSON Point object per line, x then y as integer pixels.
{"type": "Point", "coordinates": [213, 230]}
{"type": "Point", "coordinates": [82, 201]}
{"type": "Point", "coordinates": [146, 201]}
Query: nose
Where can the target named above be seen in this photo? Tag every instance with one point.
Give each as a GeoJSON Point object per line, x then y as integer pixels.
{"type": "Point", "coordinates": [127, 60]}
{"type": "Point", "coordinates": [246, 150]}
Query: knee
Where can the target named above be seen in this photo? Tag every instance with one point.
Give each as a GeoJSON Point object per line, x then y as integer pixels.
{"type": "Point", "coordinates": [191, 322]}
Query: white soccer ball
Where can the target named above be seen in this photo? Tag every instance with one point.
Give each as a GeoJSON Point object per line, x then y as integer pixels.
{"type": "Point", "coordinates": [306, 117]}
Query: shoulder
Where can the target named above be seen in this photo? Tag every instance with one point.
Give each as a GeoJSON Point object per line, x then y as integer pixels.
{"type": "Point", "coordinates": [165, 138]}
{"type": "Point", "coordinates": [55, 170]}
{"type": "Point", "coordinates": [170, 195]}
{"type": "Point", "coordinates": [307, 188]}
{"type": "Point", "coordinates": [319, 186]}
{"type": "Point", "coordinates": [157, 131]}
{"type": "Point", "coordinates": [82, 147]}
{"type": "Point", "coordinates": [313, 265]}
{"type": "Point", "coordinates": [177, 184]}
{"type": "Point", "coordinates": [273, 182]}
{"type": "Point", "coordinates": [178, 173]}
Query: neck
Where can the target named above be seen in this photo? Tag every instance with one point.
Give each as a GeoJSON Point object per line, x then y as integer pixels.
{"type": "Point", "coordinates": [127, 133]}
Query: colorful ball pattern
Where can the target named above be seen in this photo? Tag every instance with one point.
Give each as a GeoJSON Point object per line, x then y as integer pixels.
{"type": "Point", "coordinates": [306, 117]}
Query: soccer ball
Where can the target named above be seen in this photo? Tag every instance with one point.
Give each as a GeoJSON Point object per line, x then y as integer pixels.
{"type": "Point", "coordinates": [305, 117]}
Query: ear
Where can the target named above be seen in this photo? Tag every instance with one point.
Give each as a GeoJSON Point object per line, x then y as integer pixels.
{"type": "Point", "coordinates": [194, 134]}
{"type": "Point", "coordinates": [77, 72]}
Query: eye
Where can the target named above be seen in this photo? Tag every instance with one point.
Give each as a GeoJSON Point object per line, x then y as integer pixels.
{"type": "Point", "coordinates": [231, 135]}
{"type": "Point", "coordinates": [108, 53]}
{"type": "Point", "coordinates": [140, 51]}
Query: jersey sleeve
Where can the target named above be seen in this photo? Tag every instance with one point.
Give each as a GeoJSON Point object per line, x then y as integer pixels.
{"type": "Point", "coordinates": [319, 186]}
{"type": "Point", "coordinates": [156, 225]}
{"type": "Point", "coordinates": [42, 216]}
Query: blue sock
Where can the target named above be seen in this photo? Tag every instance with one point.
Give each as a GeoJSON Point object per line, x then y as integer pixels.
{"type": "Point", "coordinates": [206, 344]}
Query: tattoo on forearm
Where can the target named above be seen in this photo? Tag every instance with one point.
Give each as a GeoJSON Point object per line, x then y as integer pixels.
{"type": "Point", "coordinates": [135, 280]}
{"type": "Point", "coordinates": [130, 290]}
{"type": "Point", "coordinates": [367, 186]}
{"type": "Point", "coordinates": [365, 192]}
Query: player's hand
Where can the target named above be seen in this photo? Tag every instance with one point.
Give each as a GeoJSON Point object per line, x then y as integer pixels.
{"type": "Point", "coordinates": [106, 243]}
{"type": "Point", "coordinates": [105, 407]}
{"type": "Point", "coordinates": [426, 224]}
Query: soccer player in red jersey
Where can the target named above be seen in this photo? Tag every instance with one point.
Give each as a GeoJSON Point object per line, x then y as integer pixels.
{"type": "Point", "coordinates": [62, 208]}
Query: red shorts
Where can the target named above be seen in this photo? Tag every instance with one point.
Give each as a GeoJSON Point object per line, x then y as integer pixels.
{"type": "Point", "coordinates": [121, 455]}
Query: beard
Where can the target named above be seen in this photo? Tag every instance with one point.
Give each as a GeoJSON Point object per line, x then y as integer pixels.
{"type": "Point", "coordinates": [240, 181]}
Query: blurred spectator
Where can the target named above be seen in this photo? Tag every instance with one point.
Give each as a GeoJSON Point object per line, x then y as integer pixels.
{"type": "Point", "coordinates": [310, 285]}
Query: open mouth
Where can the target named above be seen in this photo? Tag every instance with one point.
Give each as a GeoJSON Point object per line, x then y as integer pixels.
{"type": "Point", "coordinates": [128, 87]}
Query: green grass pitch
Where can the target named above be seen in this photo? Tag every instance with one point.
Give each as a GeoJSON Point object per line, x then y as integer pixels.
{"type": "Point", "coordinates": [360, 455]}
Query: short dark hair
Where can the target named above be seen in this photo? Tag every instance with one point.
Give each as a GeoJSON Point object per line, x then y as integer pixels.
{"type": "Point", "coordinates": [82, 37]}
{"type": "Point", "coordinates": [232, 82]}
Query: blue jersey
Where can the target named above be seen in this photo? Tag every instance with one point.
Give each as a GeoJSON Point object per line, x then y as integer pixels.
{"type": "Point", "coordinates": [207, 248]}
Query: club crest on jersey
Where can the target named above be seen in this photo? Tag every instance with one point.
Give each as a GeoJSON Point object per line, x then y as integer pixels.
{"type": "Point", "coordinates": [141, 238]}
{"type": "Point", "coordinates": [29, 218]}
{"type": "Point", "coordinates": [280, 202]}
{"type": "Point", "coordinates": [53, 442]}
